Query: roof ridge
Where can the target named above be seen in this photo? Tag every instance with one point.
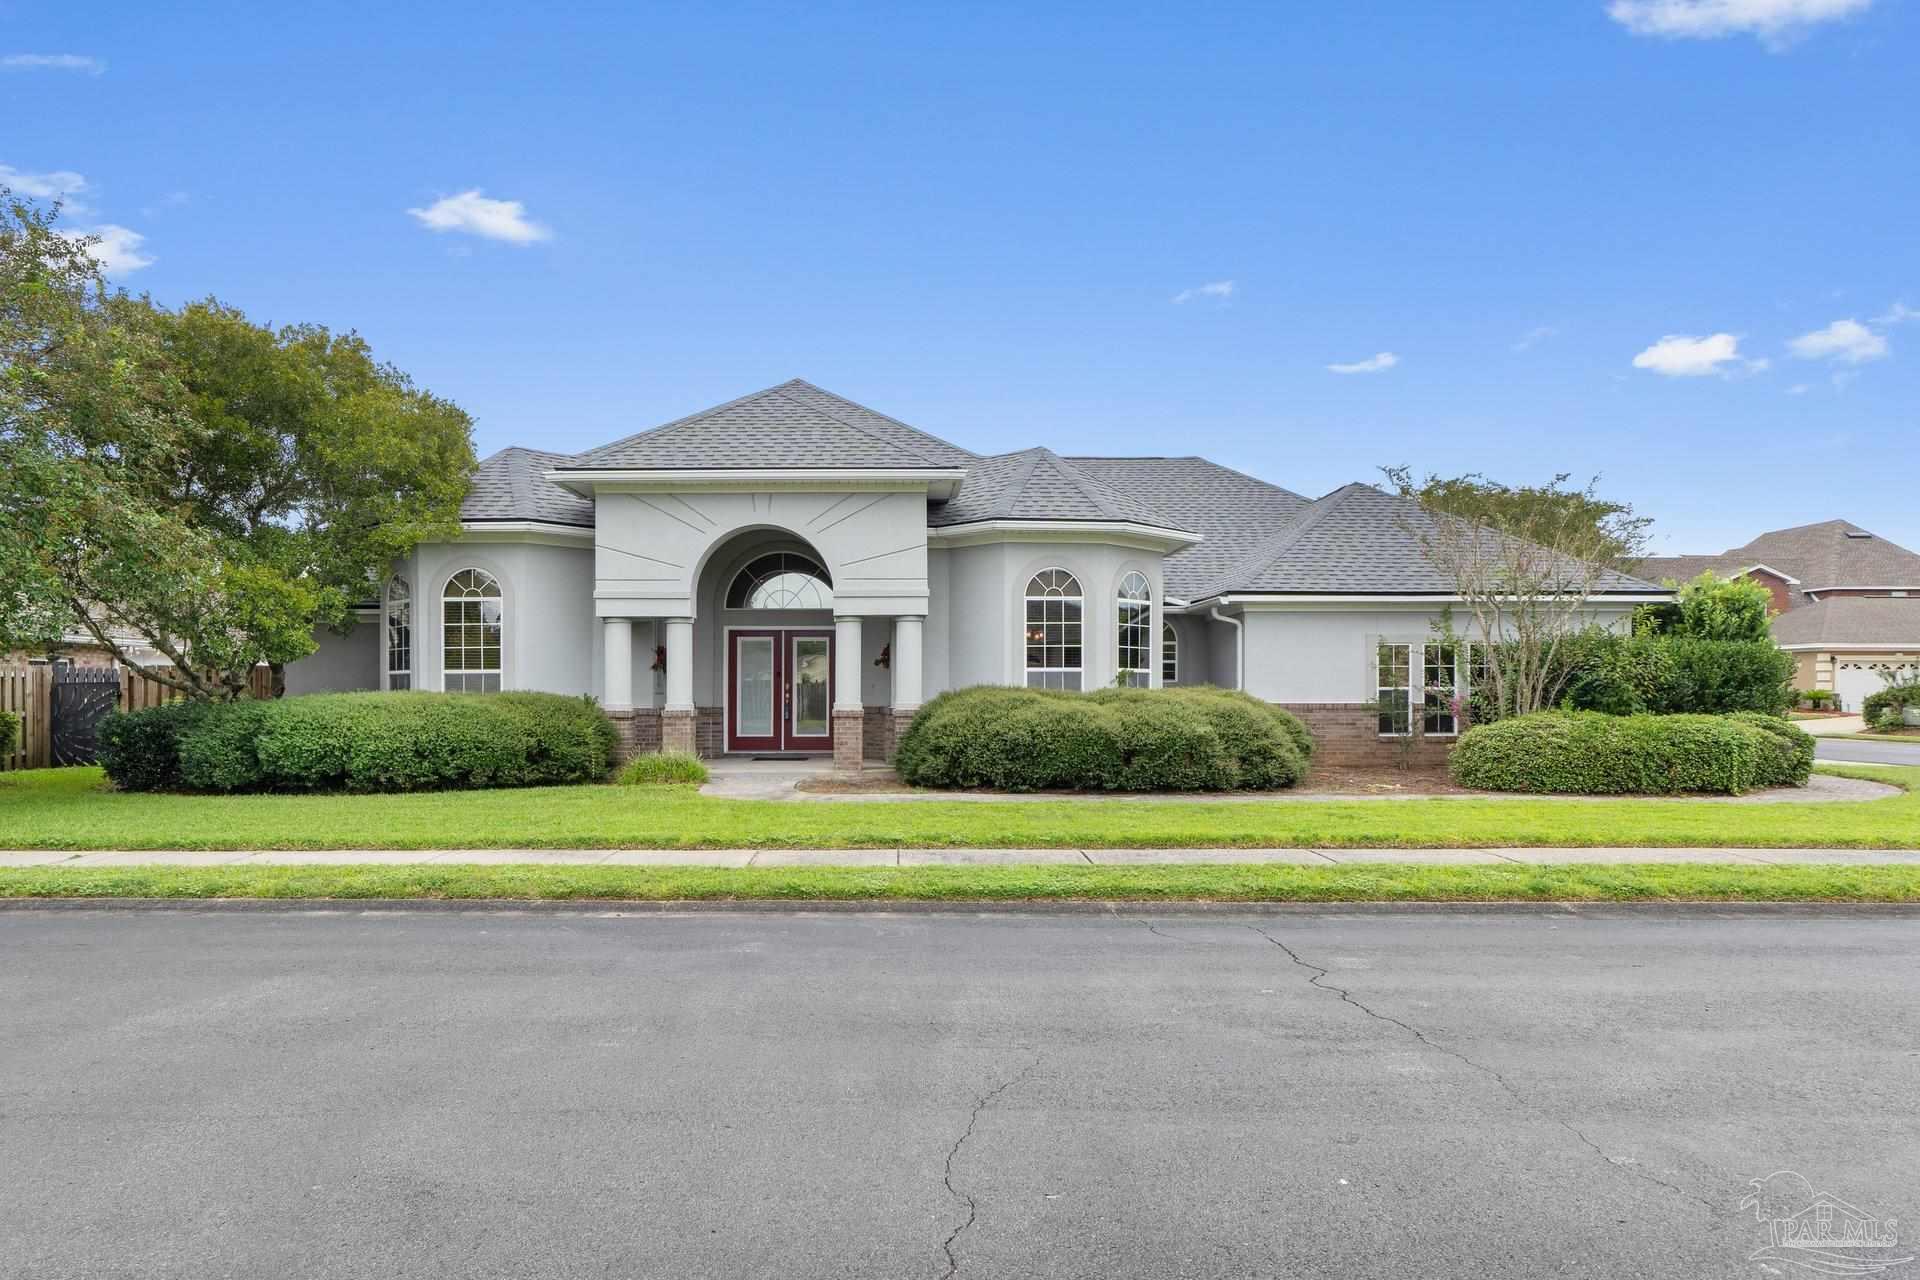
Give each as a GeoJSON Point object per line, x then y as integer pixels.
{"type": "Point", "coordinates": [1017, 483]}
{"type": "Point", "coordinates": [873, 436]}
{"type": "Point", "coordinates": [709, 411]}
{"type": "Point", "coordinates": [1275, 544]}
{"type": "Point", "coordinates": [1092, 490]}
{"type": "Point", "coordinates": [904, 426]}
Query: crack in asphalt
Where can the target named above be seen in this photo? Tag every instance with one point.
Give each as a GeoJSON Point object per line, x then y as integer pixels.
{"type": "Point", "coordinates": [973, 1206]}
{"type": "Point", "coordinates": [1317, 973]}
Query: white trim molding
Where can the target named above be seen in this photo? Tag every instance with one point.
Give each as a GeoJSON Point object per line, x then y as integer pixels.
{"type": "Point", "coordinates": [1125, 533]}
{"type": "Point", "coordinates": [940, 482]}
{"type": "Point", "coordinates": [536, 531]}
{"type": "Point", "coordinates": [1262, 603]}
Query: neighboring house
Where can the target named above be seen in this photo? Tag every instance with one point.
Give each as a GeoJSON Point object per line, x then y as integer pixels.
{"type": "Point", "coordinates": [1847, 601]}
{"type": "Point", "coordinates": [793, 572]}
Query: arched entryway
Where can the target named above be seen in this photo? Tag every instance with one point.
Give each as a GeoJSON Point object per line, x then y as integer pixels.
{"type": "Point", "coordinates": [777, 659]}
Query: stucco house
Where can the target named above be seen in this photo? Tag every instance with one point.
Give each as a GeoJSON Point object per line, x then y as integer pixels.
{"type": "Point", "coordinates": [794, 572]}
{"type": "Point", "coordinates": [1846, 602]}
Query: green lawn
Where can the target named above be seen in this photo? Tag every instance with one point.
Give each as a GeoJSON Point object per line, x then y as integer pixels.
{"type": "Point", "coordinates": [72, 809]}
{"type": "Point", "coordinates": [1358, 882]}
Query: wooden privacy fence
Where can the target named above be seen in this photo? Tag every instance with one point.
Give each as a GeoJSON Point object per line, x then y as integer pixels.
{"type": "Point", "coordinates": [27, 692]}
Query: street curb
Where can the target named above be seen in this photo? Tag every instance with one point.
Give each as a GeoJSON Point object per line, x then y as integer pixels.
{"type": "Point", "coordinates": [873, 906]}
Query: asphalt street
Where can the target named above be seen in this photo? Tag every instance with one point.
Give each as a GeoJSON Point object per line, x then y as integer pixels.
{"type": "Point", "coordinates": [1866, 752]}
{"type": "Point", "coordinates": [1484, 1093]}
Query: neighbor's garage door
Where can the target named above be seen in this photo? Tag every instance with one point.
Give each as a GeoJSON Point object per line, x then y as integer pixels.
{"type": "Point", "coordinates": [1853, 681]}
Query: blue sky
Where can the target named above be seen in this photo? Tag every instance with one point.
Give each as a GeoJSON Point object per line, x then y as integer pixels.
{"type": "Point", "coordinates": [1106, 228]}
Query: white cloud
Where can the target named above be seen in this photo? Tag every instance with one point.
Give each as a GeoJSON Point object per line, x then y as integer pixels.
{"type": "Point", "coordinates": [1776, 23]}
{"type": "Point", "coordinates": [1899, 313]}
{"type": "Point", "coordinates": [1798, 389]}
{"type": "Point", "coordinates": [118, 250]}
{"type": "Point", "coordinates": [53, 62]}
{"type": "Point", "coordinates": [1380, 363]}
{"type": "Point", "coordinates": [1680, 355]}
{"type": "Point", "coordinates": [61, 184]}
{"type": "Point", "coordinates": [1218, 289]}
{"type": "Point", "coordinates": [477, 215]}
{"type": "Point", "coordinates": [1534, 337]}
{"type": "Point", "coordinates": [1847, 341]}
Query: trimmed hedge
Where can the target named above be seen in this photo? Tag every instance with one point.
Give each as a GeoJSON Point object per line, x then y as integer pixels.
{"type": "Point", "coordinates": [1590, 753]}
{"type": "Point", "coordinates": [9, 731]}
{"type": "Point", "coordinates": [1679, 675]}
{"type": "Point", "coordinates": [1187, 739]}
{"type": "Point", "coordinates": [360, 742]}
{"type": "Point", "coordinates": [1882, 709]}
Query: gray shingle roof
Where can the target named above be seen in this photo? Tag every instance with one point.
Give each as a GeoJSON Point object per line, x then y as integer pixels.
{"type": "Point", "coordinates": [1038, 484]}
{"type": "Point", "coordinates": [794, 424]}
{"type": "Point", "coordinates": [1356, 540]}
{"type": "Point", "coordinates": [1232, 512]}
{"type": "Point", "coordinates": [1849, 620]}
{"type": "Point", "coordinates": [1819, 555]}
{"type": "Point", "coordinates": [512, 485]}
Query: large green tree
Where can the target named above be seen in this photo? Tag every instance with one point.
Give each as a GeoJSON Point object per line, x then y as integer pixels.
{"type": "Point", "coordinates": [217, 487]}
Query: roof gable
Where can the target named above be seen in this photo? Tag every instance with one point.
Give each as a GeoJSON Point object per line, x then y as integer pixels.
{"type": "Point", "coordinates": [794, 424]}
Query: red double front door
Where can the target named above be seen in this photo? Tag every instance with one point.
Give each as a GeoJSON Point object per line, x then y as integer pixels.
{"type": "Point", "coordinates": [779, 690]}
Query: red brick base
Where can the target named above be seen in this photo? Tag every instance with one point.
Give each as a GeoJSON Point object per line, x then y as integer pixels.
{"type": "Point", "coordinates": [1347, 735]}
{"type": "Point", "coordinates": [677, 730]}
{"type": "Point", "coordinates": [849, 740]}
{"type": "Point", "coordinates": [639, 731]}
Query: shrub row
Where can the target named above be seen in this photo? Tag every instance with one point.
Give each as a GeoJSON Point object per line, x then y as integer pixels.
{"type": "Point", "coordinates": [1882, 709]}
{"type": "Point", "coordinates": [9, 731]}
{"type": "Point", "coordinates": [1597, 670]}
{"type": "Point", "coordinates": [360, 742]}
{"type": "Point", "coordinates": [1590, 753]}
{"type": "Point", "coordinates": [1189, 739]}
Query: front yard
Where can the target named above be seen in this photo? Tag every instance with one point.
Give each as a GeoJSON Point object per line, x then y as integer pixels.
{"type": "Point", "coordinates": [73, 809]}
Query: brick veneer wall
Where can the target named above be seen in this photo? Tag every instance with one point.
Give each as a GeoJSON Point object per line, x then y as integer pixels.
{"type": "Point", "coordinates": [639, 731]}
{"type": "Point", "coordinates": [1347, 735]}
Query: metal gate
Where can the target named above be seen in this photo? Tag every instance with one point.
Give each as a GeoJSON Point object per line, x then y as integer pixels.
{"type": "Point", "coordinates": [82, 697]}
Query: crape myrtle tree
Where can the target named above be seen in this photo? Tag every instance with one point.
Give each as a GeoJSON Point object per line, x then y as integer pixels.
{"type": "Point", "coordinates": [1525, 562]}
{"type": "Point", "coordinates": [214, 486]}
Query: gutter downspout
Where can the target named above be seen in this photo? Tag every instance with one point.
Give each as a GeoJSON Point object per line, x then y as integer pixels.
{"type": "Point", "coordinates": [1239, 647]}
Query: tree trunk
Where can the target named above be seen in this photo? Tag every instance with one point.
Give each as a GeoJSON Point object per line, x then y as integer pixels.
{"type": "Point", "coordinates": [276, 679]}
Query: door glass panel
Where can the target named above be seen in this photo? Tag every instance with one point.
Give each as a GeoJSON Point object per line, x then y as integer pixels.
{"type": "Point", "coordinates": [810, 702]}
{"type": "Point", "coordinates": [753, 689]}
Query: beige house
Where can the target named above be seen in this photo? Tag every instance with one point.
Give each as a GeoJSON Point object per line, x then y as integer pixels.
{"type": "Point", "coordinates": [1846, 602]}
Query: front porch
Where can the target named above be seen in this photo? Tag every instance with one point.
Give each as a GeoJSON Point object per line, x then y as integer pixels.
{"type": "Point", "coordinates": [771, 660]}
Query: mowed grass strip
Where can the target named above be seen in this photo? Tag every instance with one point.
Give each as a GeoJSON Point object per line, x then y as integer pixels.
{"type": "Point", "coordinates": [74, 809]}
{"type": "Point", "coordinates": [1358, 882]}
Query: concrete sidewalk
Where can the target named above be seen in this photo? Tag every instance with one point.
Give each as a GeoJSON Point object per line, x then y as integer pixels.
{"type": "Point", "coordinates": [938, 857]}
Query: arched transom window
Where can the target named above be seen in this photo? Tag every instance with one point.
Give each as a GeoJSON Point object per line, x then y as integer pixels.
{"type": "Point", "coordinates": [782, 580]}
{"type": "Point", "coordinates": [1053, 630]}
{"type": "Point", "coordinates": [1134, 637]}
{"type": "Point", "coordinates": [471, 613]}
{"type": "Point", "coordinates": [1169, 654]}
{"type": "Point", "coordinates": [399, 635]}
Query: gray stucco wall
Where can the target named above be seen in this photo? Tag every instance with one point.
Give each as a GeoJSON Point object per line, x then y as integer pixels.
{"type": "Point", "coordinates": [1195, 647]}
{"type": "Point", "coordinates": [987, 588]}
{"type": "Point", "coordinates": [1326, 655]}
{"type": "Point", "coordinates": [342, 664]}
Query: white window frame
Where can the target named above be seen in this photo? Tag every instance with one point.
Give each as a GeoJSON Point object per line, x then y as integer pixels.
{"type": "Point", "coordinates": [1169, 653]}
{"type": "Point", "coordinates": [1139, 630]}
{"type": "Point", "coordinates": [398, 598]}
{"type": "Point", "coordinates": [1457, 690]}
{"type": "Point", "coordinates": [448, 675]}
{"type": "Point", "coordinates": [1386, 663]}
{"type": "Point", "coordinates": [1054, 677]}
{"type": "Point", "coordinates": [788, 564]}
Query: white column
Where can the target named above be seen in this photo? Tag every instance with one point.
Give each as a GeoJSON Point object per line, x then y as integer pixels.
{"type": "Point", "coordinates": [679, 664]}
{"type": "Point", "coordinates": [846, 665]}
{"type": "Point", "coordinates": [619, 660]}
{"type": "Point", "coordinates": [906, 662]}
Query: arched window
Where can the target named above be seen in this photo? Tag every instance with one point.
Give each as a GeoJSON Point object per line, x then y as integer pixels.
{"type": "Point", "coordinates": [1134, 638]}
{"type": "Point", "coordinates": [782, 580]}
{"type": "Point", "coordinates": [1169, 654]}
{"type": "Point", "coordinates": [471, 611]}
{"type": "Point", "coordinates": [399, 614]}
{"type": "Point", "coordinates": [1053, 630]}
